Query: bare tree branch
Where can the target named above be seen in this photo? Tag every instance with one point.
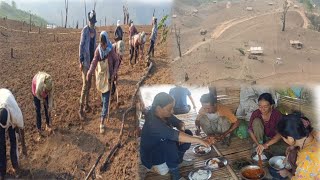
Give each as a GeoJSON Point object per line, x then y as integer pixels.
{"type": "Point", "coordinates": [285, 9]}
{"type": "Point", "coordinates": [66, 3]}
{"type": "Point", "coordinates": [177, 33]}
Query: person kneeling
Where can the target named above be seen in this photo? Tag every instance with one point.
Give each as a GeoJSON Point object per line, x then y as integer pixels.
{"type": "Point", "coordinates": [162, 148]}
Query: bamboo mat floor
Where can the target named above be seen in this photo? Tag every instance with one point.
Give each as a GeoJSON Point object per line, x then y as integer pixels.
{"type": "Point", "coordinates": [238, 149]}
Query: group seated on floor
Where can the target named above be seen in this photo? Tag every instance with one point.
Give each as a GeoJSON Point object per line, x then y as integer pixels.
{"type": "Point", "coordinates": [162, 147]}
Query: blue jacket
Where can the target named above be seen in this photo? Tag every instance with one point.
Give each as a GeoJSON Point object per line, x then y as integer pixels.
{"type": "Point", "coordinates": [84, 47]}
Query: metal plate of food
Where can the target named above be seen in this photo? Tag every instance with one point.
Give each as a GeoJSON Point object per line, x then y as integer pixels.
{"type": "Point", "coordinates": [200, 174]}
{"type": "Point", "coordinates": [201, 150]}
{"type": "Point", "coordinates": [216, 163]}
{"type": "Point", "coordinates": [279, 162]}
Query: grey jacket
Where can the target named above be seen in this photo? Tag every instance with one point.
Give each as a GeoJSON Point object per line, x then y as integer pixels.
{"type": "Point", "coordinates": [154, 33]}
{"type": "Point", "coordinates": [84, 47]}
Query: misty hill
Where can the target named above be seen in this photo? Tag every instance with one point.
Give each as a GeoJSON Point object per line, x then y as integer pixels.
{"type": "Point", "coordinates": [12, 12]}
{"type": "Point", "coordinates": [109, 10]}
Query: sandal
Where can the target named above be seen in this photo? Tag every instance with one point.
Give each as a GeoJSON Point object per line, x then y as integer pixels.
{"type": "Point", "coordinates": [102, 128]}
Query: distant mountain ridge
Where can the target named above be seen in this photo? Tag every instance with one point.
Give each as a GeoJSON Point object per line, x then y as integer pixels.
{"type": "Point", "coordinates": [12, 12]}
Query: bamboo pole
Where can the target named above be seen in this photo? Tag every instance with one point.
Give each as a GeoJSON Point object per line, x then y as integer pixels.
{"type": "Point", "coordinates": [233, 174]}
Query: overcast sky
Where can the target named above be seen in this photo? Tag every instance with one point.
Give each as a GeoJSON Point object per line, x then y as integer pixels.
{"type": "Point", "coordinates": [110, 10]}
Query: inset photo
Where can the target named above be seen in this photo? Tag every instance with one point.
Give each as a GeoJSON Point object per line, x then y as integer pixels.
{"type": "Point", "coordinates": [230, 42]}
{"type": "Point", "coordinates": [251, 132]}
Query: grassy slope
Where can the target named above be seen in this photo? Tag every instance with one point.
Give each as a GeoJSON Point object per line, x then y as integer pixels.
{"type": "Point", "coordinates": [7, 10]}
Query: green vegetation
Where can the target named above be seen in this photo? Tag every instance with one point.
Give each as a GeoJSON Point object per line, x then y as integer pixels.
{"type": "Point", "coordinates": [162, 25]}
{"type": "Point", "coordinates": [308, 4]}
{"type": "Point", "coordinates": [241, 50]}
{"type": "Point", "coordinates": [11, 12]}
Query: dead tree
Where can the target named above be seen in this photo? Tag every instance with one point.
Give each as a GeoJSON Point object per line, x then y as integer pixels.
{"type": "Point", "coordinates": [177, 33]}
{"type": "Point", "coordinates": [66, 3]}
{"type": "Point", "coordinates": [127, 15]}
{"type": "Point", "coordinates": [61, 19]}
{"type": "Point", "coordinates": [94, 5]}
{"type": "Point", "coordinates": [30, 22]}
{"type": "Point", "coordinates": [284, 14]}
{"type": "Point", "coordinates": [124, 14]}
{"type": "Point", "coordinates": [85, 10]}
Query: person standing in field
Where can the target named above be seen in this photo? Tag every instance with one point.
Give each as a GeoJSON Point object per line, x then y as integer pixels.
{"type": "Point", "coordinates": [86, 52]}
{"type": "Point", "coordinates": [118, 33]}
{"type": "Point", "coordinates": [105, 64]}
{"type": "Point", "coordinates": [153, 36]}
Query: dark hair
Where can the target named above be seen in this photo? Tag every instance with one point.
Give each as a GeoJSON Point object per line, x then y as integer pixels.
{"type": "Point", "coordinates": [103, 39]}
{"type": "Point", "coordinates": [208, 98]}
{"type": "Point", "coordinates": [298, 113]}
{"type": "Point", "coordinates": [3, 116]}
{"type": "Point", "coordinates": [292, 125]}
{"type": "Point", "coordinates": [162, 99]}
{"type": "Point", "coordinates": [266, 97]}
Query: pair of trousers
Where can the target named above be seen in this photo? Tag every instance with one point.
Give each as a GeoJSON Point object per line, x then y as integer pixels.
{"type": "Point", "coordinates": [86, 85]}
{"type": "Point", "coordinates": [151, 48]}
{"type": "Point", "coordinates": [276, 149]}
{"type": "Point", "coordinates": [13, 147]}
{"type": "Point", "coordinates": [214, 126]}
{"type": "Point", "coordinates": [171, 153]}
{"type": "Point", "coordinates": [105, 100]}
{"type": "Point", "coordinates": [37, 104]}
{"type": "Point", "coordinates": [184, 110]}
{"type": "Point", "coordinates": [133, 50]}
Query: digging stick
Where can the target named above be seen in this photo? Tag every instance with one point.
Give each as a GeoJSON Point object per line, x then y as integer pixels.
{"type": "Point", "coordinates": [109, 103]}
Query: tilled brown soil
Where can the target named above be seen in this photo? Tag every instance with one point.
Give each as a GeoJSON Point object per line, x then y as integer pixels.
{"type": "Point", "coordinates": [71, 151]}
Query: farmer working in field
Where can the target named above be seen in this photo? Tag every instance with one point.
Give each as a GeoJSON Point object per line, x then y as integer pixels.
{"type": "Point", "coordinates": [118, 33]}
{"type": "Point", "coordinates": [180, 95]}
{"type": "Point", "coordinates": [216, 120]}
{"type": "Point", "coordinates": [11, 121]}
{"type": "Point", "coordinates": [162, 148]}
{"type": "Point", "coordinates": [42, 90]}
{"type": "Point", "coordinates": [86, 52]}
{"type": "Point", "coordinates": [105, 64]}
{"type": "Point", "coordinates": [132, 31]}
{"type": "Point", "coordinates": [137, 43]}
{"type": "Point", "coordinates": [153, 36]}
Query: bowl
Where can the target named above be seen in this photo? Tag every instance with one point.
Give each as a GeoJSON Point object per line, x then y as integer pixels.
{"type": "Point", "coordinates": [207, 172]}
{"type": "Point", "coordinates": [252, 172]}
{"type": "Point", "coordinates": [277, 163]}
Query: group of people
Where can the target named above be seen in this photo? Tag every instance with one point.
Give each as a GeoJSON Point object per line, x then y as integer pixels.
{"type": "Point", "coordinates": [103, 59]}
{"type": "Point", "coordinates": [11, 119]}
{"type": "Point", "coordinates": [162, 148]}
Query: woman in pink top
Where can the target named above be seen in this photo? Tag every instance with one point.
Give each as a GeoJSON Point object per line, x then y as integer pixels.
{"type": "Point", "coordinates": [262, 126]}
{"type": "Point", "coordinates": [105, 64]}
{"type": "Point", "coordinates": [42, 86]}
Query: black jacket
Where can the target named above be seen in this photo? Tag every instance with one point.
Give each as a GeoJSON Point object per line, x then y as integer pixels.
{"type": "Point", "coordinates": [118, 34]}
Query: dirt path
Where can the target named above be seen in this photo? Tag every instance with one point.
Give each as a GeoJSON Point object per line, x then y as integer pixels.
{"type": "Point", "coordinates": [233, 22]}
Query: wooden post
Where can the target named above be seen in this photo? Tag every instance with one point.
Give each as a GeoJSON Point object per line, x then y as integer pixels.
{"type": "Point", "coordinates": [11, 52]}
{"type": "Point", "coordinates": [30, 22]}
{"type": "Point", "coordinates": [177, 33]}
